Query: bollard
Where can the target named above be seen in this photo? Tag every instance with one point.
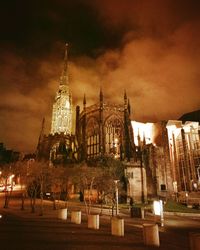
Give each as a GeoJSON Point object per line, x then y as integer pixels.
{"type": "Point", "coordinates": [93, 221]}
{"type": "Point", "coordinates": [76, 217]}
{"type": "Point", "coordinates": [142, 213]}
{"type": "Point", "coordinates": [151, 235]}
{"type": "Point", "coordinates": [62, 214]}
{"type": "Point", "coordinates": [117, 226]}
{"type": "Point", "coordinates": [194, 241]}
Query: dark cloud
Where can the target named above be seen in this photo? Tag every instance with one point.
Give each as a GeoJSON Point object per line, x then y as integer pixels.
{"type": "Point", "coordinates": [148, 47]}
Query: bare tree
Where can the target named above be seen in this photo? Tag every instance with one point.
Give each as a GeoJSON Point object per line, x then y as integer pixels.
{"type": "Point", "coordinates": [86, 178]}
{"type": "Point", "coordinates": [7, 175]}
{"type": "Point", "coordinates": [112, 171]}
{"type": "Point", "coordinates": [21, 171]}
{"type": "Point", "coordinates": [99, 176]}
{"type": "Point", "coordinates": [59, 181]}
{"type": "Point", "coordinates": [37, 180]}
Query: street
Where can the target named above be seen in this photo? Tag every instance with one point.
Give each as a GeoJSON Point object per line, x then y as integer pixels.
{"type": "Point", "coordinates": [24, 230]}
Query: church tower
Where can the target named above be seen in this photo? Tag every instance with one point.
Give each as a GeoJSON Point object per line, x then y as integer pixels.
{"type": "Point", "coordinates": [62, 107]}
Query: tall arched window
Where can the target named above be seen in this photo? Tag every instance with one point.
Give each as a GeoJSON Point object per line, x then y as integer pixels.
{"type": "Point", "coordinates": [113, 136]}
{"type": "Point", "coordinates": [92, 138]}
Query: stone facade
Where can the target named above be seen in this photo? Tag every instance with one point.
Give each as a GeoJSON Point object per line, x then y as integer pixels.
{"type": "Point", "coordinates": [62, 108]}
{"type": "Point", "coordinates": [184, 146]}
{"type": "Point", "coordinates": [137, 182]}
{"type": "Point", "coordinates": [60, 146]}
{"type": "Point", "coordinates": [57, 149]}
{"type": "Point", "coordinates": [104, 130]}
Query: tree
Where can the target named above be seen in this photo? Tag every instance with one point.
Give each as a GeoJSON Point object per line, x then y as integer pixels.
{"type": "Point", "coordinates": [86, 178]}
{"type": "Point", "coordinates": [99, 175]}
{"type": "Point", "coordinates": [112, 171]}
{"type": "Point", "coordinates": [7, 175]}
{"type": "Point", "coordinates": [21, 173]}
{"type": "Point", "coordinates": [59, 182]}
{"type": "Point", "coordinates": [38, 178]}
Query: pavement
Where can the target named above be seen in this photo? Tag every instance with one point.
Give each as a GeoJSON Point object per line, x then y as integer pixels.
{"type": "Point", "coordinates": [30, 231]}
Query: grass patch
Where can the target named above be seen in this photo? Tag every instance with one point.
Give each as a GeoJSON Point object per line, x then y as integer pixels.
{"type": "Point", "coordinates": [172, 206]}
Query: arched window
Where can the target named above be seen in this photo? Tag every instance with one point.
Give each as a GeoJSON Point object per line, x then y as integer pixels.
{"type": "Point", "coordinates": [113, 136]}
{"type": "Point", "coordinates": [92, 134]}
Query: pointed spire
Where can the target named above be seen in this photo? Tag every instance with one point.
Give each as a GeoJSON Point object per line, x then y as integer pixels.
{"type": "Point", "coordinates": [129, 107]}
{"type": "Point", "coordinates": [84, 101]}
{"type": "Point", "coordinates": [64, 77]}
{"type": "Point", "coordinates": [125, 96]}
{"type": "Point", "coordinates": [41, 131]}
{"type": "Point", "coordinates": [125, 100]}
{"type": "Point", "coordinates": [139, 139]}
{"type": "Point", "coordinates": [101, 94]}
{"type": "Point", "coordinates": [144, 139]}
{"type": "Point", "coordinates": [40, 140]}
{"type": "Point", "coordinates": [42, 128]}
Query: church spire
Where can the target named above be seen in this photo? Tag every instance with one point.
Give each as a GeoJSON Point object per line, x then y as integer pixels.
{"type": "Point", "coordinates": [62, 108]}
{"type": "Point", "coordinates": [41, 136]}
{"type": "Point", "coordinates": [101, 94]}
{"type": "Point", "coordinates": [125, 100]}
{"type": "Point", "coordinates": [84, 102]}
{"type": "Point", "coordinates": [129, 107]}
{"type": "Point", "coordinates": [125, 95]}
{"type": "Point", "coordinates": [64, 79]}
{"type": "Point", "coordinates": [42, 129]}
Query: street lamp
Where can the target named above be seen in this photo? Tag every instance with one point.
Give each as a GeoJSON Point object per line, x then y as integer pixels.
{"type": "Point", "coordinates": [116, 196]}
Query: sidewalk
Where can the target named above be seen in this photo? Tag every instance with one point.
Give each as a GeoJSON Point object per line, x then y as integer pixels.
{"type": "Point", "coordinates": [172, 236]}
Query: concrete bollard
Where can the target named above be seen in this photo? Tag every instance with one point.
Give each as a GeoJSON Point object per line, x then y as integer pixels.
{"type": "Point", "coordinates": [142, 213]}
{"type": "Point", "coordinates": [62, 214]}
{"type": "Point", "coordinates": [194, 241]}
{"type": "Point", "coordinates": [117, 226]}
{"type": "Point", "coordinates": [76, 217]}
{"type": "Point", "coordinates": [151, 235]}
{"type": "Point", "coordinates": [93, 221]}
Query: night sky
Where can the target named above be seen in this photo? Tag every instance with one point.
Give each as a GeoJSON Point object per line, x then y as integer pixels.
{"type": "Point", "coordinates": [151, 48]}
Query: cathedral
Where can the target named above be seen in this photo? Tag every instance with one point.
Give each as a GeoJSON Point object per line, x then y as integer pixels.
{"type": "Point", "coordinates": [102, 129]}
{"type": "Point", "coordinates": [105, 129]}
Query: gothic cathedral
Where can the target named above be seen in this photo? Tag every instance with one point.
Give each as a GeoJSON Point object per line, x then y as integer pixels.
{"type": "Point", "coordinates": [102, 129]}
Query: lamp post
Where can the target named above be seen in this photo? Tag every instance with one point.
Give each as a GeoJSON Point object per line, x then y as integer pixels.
{"type": "Point", "coordinates": [116, 196]}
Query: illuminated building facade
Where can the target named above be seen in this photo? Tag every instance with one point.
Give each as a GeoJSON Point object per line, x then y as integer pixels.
{"type": "Point", "coordinates": [159, 158]}
{"type": "Point", "coordinates": [60, 147]}
{"type": "Point", "coordinates": [152, 167]}
{"type": "Point", "coordinates": [184, 145]}
{"type": "Point", "coordinates": [62, 107]}
{"type": "Point", "coordinates": [104, 129]}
